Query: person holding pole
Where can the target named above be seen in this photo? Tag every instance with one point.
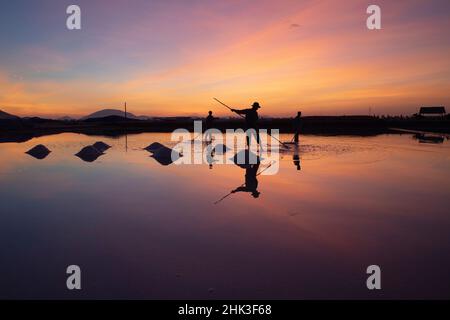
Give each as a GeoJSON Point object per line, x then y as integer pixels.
{"type": "Point", "coordinates": [251, 121]}
{"type": "Point", "coordinates": [254, 109]}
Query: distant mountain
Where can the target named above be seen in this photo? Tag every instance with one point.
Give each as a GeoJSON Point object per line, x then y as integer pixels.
{"type": "Point", "coordinates": [113, 112]}
{"type": "Point", "coordinates": [110, 119]}
{"type": "Point", "coordinates": [65, 118]}
{"type": "Point", "coordinates": [7, 116]}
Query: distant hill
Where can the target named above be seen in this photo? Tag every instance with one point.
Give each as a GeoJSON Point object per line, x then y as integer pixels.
{"type": "Point", "coordinates": [111, 119]}
{"type": "Point", "coordinates": [7, 116]}
{"type": "Point", "coordinates": [113, 112]}
{"type": "Point", "coordinates": [65, 118]}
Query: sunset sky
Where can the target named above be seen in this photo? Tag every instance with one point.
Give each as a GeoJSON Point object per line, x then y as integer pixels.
{"type": "Point", "coordinates": [171, 57]}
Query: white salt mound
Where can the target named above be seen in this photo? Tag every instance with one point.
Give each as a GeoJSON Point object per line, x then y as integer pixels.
{"type": "Point", "coordinates": [154, 146]}
{"type": "Point", "coordinates": [39, 152]}
{"type": "Point", "coordinates": [89, 154]}
{"type": "Point", "coordinates": [165, 155]}
{"type": "Point", "coordinates": [166, 152]}
{"type": "Point", "coordinates": [101, 146]}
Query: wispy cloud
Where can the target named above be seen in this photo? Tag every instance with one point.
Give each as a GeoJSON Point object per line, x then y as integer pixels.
{"type": "Point", "coordinates": [172, 57]}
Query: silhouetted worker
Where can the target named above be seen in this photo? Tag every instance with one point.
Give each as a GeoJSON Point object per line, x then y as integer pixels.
{"type": "Point", "coordinates": [297, 126]}
{"type": "Point", "coordinates": [209, 125]}
{"type": "Point", "coordinates": [251, 182]}
{"type": "Point", "coordinates": [251, 120]}
{"type": "Point", "coordinates": [209, 120]}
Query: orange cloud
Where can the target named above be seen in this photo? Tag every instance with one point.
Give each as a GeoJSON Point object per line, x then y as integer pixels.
{"type": "Point", "coordinates": [330, 63]}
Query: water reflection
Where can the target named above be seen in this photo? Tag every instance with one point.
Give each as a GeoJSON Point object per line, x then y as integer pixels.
{"type": "Point", "coordinates": [251, 172]}
{"type": "Point", "coordinates": [429, 138]}
{"type": "Point", "coordinates": [134, 226]}
{"type": "Point", "coordinates": [251, 182]}
{"type": "Point", "coordinates": [210, 158]}
{"type": "Point", "coordinates": [296, 157]}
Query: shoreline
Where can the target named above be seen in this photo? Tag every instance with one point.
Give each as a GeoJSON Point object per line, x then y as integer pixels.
{"type": "Point", "coordinates": [21, 130]}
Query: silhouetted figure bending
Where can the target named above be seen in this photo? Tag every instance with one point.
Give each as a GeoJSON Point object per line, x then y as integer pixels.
{"type": "Point", "coordinates": [251, 182]}
{"type": "Point", "coordinates": [251, 120]}
{"type": "Point", "coordinates": [297, 126]}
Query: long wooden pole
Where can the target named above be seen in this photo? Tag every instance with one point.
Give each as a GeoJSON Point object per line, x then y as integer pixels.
{"type": "Point", "coordinates": [282, 143]}
{"type": "Point", "coordinates": [227, 107]}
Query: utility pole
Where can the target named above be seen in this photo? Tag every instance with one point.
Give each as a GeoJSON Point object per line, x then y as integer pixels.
{"type": "Point", "coordinates": [126, 135]}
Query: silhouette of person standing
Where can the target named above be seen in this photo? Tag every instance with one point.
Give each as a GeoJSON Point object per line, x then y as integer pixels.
{"type": "Point", "coordinates": [297, 126]}
{"type": "Point", "coordinates": [251, 181]}
{"type": "Point", "coordinates": [209, 121]}
{"type": "Point", "coordinates": [251, 121]}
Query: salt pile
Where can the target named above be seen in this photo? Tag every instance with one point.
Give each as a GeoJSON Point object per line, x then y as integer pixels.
{"type": "Point", "coordinates": [101, 146]}
{"type": "Point", "coordinates": [154, 146]}
{"type": "Point", "coordinates": [39, 152]}
{"type": "Point", "coordinates": [245, 159]}
{"type": "Point", "coordinates": [89, 154]}
{"type": "Point", "coordinates": [164, 155]}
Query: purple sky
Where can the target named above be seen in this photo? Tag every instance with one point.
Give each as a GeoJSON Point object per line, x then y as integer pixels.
{"type": "Point", "coordinates": [171, 57]}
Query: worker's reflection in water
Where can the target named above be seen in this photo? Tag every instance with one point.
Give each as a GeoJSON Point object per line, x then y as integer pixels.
{"type": "Point", "coordinates": [251, 181]}
{"type": "Point", "coordinates": [210, 156]}
{"type": "Point", "coordinates": [296, 158]}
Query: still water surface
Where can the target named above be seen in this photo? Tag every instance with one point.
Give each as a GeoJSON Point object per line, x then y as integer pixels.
{"type": "Point", "coordinates": [139, 229]}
